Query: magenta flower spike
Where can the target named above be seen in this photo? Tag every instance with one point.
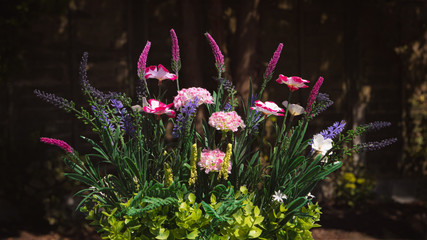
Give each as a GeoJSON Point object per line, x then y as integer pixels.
{"type": "Point", "coordinates": [272, 64]}
{"type": "Point", "coordinates": [58, 143]}
{"type": "Point", "coordinates": [159, 108]}
{"type": "Point", "coordinates": [219, 58]}
{"type": "Point", "coordinates": [294, 83]}
{"type": "Point", "coordinates": [313, 94]}
{"type": "Point", "coordinates": [175, 47]}
{"type": "Point", "coordinates": [142, 62]}
{"type": "Point", "coordinates": [160, 73]}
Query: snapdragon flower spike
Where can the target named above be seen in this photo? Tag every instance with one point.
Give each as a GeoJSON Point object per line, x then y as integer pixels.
{"type": "Point", "coordinates": [160, 73]}
{"type": "Point", "coordinates": [159, 108]}
{"type": "Point", "coordinates": [313, 94]}
{"type": "Point", "coordinates": [59, 143]}
{"type": "Point", "coordinates": [226, 121]}
{"type": "Point", "coordinates": [272, 64]}
{"type": "Point", "coordinates": [294, 83]}
{"type": "Point", "coordinates": [219, 58]}
{"type": "Point", "coordinates": [268, 108]}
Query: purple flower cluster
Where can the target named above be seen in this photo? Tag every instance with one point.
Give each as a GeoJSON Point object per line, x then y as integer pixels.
{"type": "Point", "coordinates": [377, 125]}
{"type": "Point", "coordinates": [87, 88]}
{"type": "Point", "coordinates": [272, 64]}
{"type": "Point", "coordinates": [103, 118]}
{"type": "Point", "coordinates": [51, 98]}
{"type": "Point", "coordinates": [333, 131]}
{"type": "Point", "coordinates": [187, 113]}
{"type": "Point", "coordinates": [322, 103]}
{"type": "Point", "coordinates": [254, 117]}
{"type": "Point", "coordinates": [372, 146]}
{"type": "Point", "coordinates": [126, 122]}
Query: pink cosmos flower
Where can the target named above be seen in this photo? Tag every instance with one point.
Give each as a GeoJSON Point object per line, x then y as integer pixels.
{"type": "Point", "coordinates": [187, 95]}
{"type": "Point", "coordinates": [294, 83]}
{"type": "Point", "coordinates": [58, 143]}
{"type": "Point", "coordinates": [160, 72]}
{"type": "Point", "coordinates": [226, 121]}
{"type": "Point", "coordinates": [211, 160]}
{"type": "Point", "coordinates": [268, 108]}
{"type": "Point", "coordinates": [159, 108]}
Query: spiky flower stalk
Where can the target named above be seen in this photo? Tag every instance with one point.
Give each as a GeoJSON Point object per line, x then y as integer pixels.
{"type": "Point", "coordinates": [59, 143]}
{"type": "Point", "coordinates": [168, 174]}
{"type": "Point", "coordinates": [226, 163]}
{"type": "Point", "coordinates": [193, 162]}
{"type": "Point", "coordinates": [219, 58]}
{"type": "Point", "coordinates": [313, 94]}
{"type": "Point", "coordinates": [272, 64]}
{"type": "Point", "coordinates": [142, 90]}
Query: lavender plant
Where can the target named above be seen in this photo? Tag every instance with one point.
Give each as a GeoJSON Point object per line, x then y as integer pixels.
{"type": "Point", "coordinates": [209, 184]}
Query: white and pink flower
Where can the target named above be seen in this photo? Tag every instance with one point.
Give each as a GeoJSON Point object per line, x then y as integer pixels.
{"type": "Point", "coordinates": [160, 73]}
{"type": "Point", "coordinates": [211, 160]}
{"type": "Point", "coordinates": [226, 121]}
{"type": "Point", "coordinates": [294, 83]}
{"type": "Point", "coordinates": [294, 109]}
{"type": "Point", "coordinates": [159, 108]}
{"type": "Point", "coordinates": [188, 95]}
{"type": "Point", "coordinates": [268, 108]}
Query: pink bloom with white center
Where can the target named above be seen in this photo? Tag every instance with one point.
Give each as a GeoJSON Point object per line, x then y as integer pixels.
{"type": "Point", "coordinates": [187, 95]}
{"type": "Point", "coordinates": [294, 83]}
{"type": "Point", "coordinates": [211, 160]}
{"type": "Point", "coordinates": [226, 121]}
{"type": "Point", "coordinates": [159, 108]}
{"type": "Point", "coordinates": [268, 108]}
{"type": "Point", "coordinates": [160, 72]}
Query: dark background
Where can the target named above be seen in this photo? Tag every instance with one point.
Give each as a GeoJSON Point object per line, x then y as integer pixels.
{"type": "Point", "coordinates": [372, 54]}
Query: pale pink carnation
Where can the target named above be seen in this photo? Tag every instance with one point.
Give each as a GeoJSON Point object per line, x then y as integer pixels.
{"type": "Point", "coordinates": [226, 121]}
{"type": "Point", "coordinates": [187, 95]}
{"type": "Point", "coordinates": [211, 160]}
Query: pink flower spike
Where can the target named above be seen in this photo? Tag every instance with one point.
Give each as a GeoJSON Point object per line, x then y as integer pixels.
{"type": "Point", "coordinates": [268, 108]}
{"type": "Point", "coordinates": [313, 94]}
{"type": "Point", "coordinates": [160, 73]}
{"type": "Point", "coordinates": [273, 61]}
{"type": "Point", "coordinates": [142, 62]}
{"type": "Point", "coordinates": [159, 108]}
{"type": "Point", "coordinates": [294, 83]}
{"type": "Point", "coordinates": [58, 143]}
{"type": "Point", "coordinates": [175, 47]}
{"type": "Point", "coordinates": [219, 58]}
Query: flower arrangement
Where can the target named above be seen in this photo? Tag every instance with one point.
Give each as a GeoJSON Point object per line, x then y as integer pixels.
{"type": "Point", "coordinates": [218, 183]}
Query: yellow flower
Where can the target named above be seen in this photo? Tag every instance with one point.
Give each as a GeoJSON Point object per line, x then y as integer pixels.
{"type": "Point", "coordinates": [350, 186]}
{"type": "Point", "coordinates": [349, 177]}
{"type": "Point", "coordinates": [226, 163]}
{"type": "Point", "coordinates": [168, 175]}
{"type": "Point", "coordinates": [193, 162]}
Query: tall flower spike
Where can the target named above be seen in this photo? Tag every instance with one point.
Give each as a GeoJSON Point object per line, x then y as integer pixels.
{"type": "Point", "coordinates": [142, 62]}
{"type": "Point", "coordinates": [226, 164]}
{"type": "Point", "coordinates": [176, 61]}
{"type": "Point", "coordinates": [219, 58]}
{"type": "Point", "coordinates": [272, 64]}
{"type": "Point", "coordinates": [313, 94]}
{"type": "Point", "coordinates": [58, 143]}
{"type": "Point", "coordinates": [193, 162]}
